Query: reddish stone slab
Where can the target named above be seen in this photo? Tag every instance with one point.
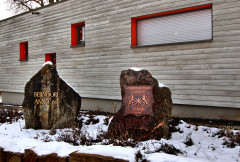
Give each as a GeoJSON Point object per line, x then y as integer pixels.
{"type": "Point", "coordinates": [138, 100]}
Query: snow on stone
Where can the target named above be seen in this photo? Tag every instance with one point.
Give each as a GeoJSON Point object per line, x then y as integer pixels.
{"type": "Point", "coordinates": [136, 69]}
{"type": "Point", "coordinates": [205, 148]}
{"type": "Point", "coordinates": [139, 69]}
{"type": "Point", "coordinates": [161, 84]}
{"type": "Point", "coordinates": [48, 63]}
{"type": "Point", "coordinates": [70, 85]}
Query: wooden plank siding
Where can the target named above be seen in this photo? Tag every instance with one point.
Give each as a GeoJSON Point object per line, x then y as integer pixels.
{"type": "Point", "coordinates": [205, 73]}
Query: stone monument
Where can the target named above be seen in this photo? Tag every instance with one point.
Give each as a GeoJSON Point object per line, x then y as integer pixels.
{"type": "Point", "coordinates": [49, 101]}
{"type": "Point", "coordinates": [145, 109]}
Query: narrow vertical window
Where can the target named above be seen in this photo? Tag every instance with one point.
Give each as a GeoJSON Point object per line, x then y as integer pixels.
{"type": "Point", "coordinates": [23, 51]}
{"type": "Point", "coordinates": [51, 57]}
{"type": "Point", "coordinates": [78, 34]}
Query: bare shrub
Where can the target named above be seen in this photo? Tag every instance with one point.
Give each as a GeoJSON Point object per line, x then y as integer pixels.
{"type": "Point", "coordinates": [10, 115]}
{"type": "Point", "coordinates": [169, 149]}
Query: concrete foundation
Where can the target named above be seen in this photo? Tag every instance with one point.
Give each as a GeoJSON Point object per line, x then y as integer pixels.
{"type": "Point", "coordinates": [187, 111]}
{"type": "Point", "coordinates": [93, 104]}
{"type": "Point", "coordinates": [12, 98]}
{"type": "Point", "coordinates": [205, 112]}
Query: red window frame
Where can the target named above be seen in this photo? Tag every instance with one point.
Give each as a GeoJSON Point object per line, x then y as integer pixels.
{"type": "Point", "coordinates": [135, 19]}
{"type": "Point", "coordinates": [51, 57]}
{"type": "Point", "coordinates": [23, 51]}
{"type": "Point", "coordinates": [75, 36]}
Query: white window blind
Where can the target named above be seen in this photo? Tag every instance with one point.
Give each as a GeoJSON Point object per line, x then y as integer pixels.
{"type": "Point", "coordinates": [176, 28]}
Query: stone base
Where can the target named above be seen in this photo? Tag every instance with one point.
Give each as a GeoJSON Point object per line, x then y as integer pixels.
{"type": "Point", "coordinates": [6, 156]}
{"type": "Point", "coordinates": [95, 104]}
{"type": "Point", "coordinates": [206, 112]}
{"type": "Point", "coordinates": [30, 156]}
{"type": "Point", "coordinates": [81, 157]}
{"type": "Point", "coordinates": [12, 98]}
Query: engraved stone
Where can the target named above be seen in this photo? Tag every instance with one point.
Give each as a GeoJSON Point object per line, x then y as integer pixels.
{"type": "Point", "coordinates": [138, 100]}
{"type": "Point", "coordinates": [49, 101]}
{"type": "Point", "coordinates": [145, 109]}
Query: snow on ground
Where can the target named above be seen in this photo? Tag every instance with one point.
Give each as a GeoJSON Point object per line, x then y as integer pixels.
{"type": "Point", "coordinates": [206, 145]}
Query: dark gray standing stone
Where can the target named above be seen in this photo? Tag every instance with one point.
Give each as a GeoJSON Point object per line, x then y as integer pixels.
{"type": "Point", "coordinates": [50, 102]}
{"type": "Point", "coordinates": [141, 124]}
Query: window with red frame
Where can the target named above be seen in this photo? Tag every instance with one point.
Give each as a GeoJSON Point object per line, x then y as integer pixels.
{"type": "Point", "coordinates": [78, 34]}
{"type": "Point", "coordinates": [51, 57]}
{"type": "Point", "coordinates": [191, 24]}
{"type": "Point", "coordinates": [23, 51]}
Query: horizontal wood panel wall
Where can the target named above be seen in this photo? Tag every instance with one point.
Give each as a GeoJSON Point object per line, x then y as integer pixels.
{"type": "Point", "coordinates": [205, 73]}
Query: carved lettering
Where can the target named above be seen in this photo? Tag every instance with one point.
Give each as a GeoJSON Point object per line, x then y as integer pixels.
{"type": "Point", "coordinates": [55, 102]}
{"type": "Point", "coordinates": [55, 94]}
{"type": "Point", "coordinates": [41, 102]}
{"type": "Point", "coordinates": [37, 102]}
{"type": "Point", "coordinates": [46, 99]}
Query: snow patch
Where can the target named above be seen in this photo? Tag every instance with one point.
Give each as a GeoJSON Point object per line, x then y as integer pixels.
{"type": "Point", "coordinates": [48, 63]}
{"type": "Point", "coordinates": [12, 105]}
{"type": "Point", "coordinates": [125, 153]}
{"type": "Point", "coordinates": [136, 69]}
{"type": "Point", "coordinates": [161, 157]}
{"type": "Point", "coordinates": [139, 69]}
{"type": "Point", "coordinates": [161, 84]}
